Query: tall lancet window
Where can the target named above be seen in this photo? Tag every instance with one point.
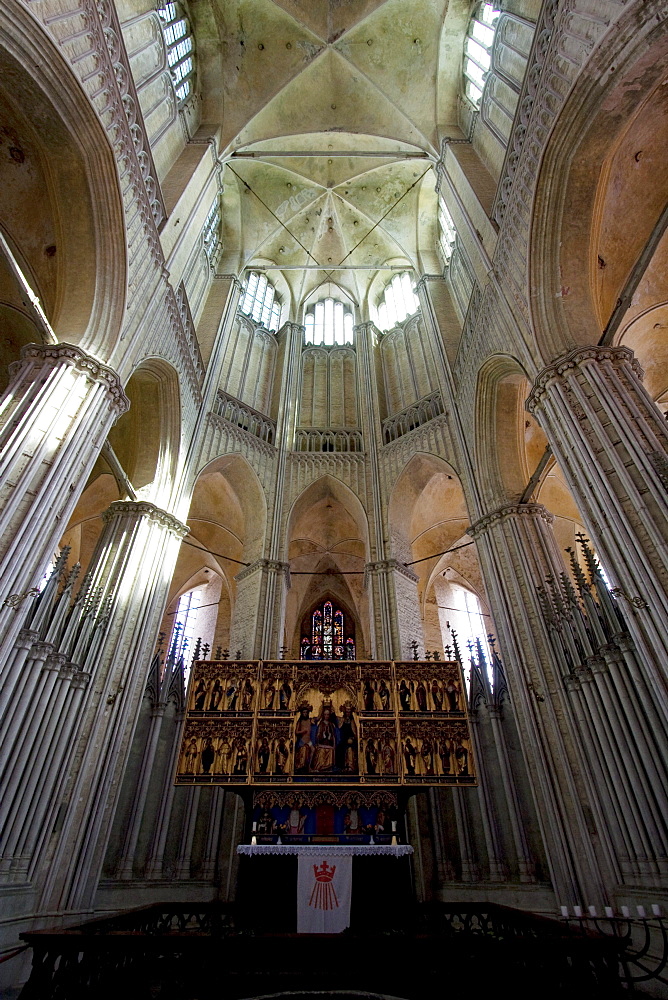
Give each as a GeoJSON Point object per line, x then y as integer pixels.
{"type": "Point", "coordinates": [398, 302]}
{"type": "Point", "coordinates": [478, 50]}
{"type": "Point", "coordinates": [180, 48]}
{"type": "Point", "coordinates": [259, 301]}
{"type": "Point", "coordinates": [328, 323]}
{"type": "Point", "coordinates": [328, 634]}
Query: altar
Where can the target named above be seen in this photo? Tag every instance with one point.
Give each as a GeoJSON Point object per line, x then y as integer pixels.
{"type": "Point", "coordinates": [325, 888]}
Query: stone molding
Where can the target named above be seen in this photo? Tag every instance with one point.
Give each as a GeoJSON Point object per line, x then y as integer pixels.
{"type": "Point", "coordinates": [568, 363]}
{"type": "Point", "coordinates": [104, 13]}
{"type": "Point", "coordinates": [111, 91]}
{"type": "Point", "coordinates": [421, 285]}
{"type": "Point", "coordinates": [530, 90]}
{"type": "Point", "coordinates": [273, 565]}
{"type": "Point", "coordinates": [143, 508]}
{"type": "Point", "coordinates": [484, 523]}
{"type": "Point", "coordinates": [391, 566]}
{"type": "Point", "coordinates": [84, 363]}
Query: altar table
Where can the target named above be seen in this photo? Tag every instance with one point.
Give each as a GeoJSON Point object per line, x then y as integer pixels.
{"type": "Point", "coordinates": [323, 882]}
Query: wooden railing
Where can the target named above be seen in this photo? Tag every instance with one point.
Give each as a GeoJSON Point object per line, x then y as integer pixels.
{"type": "Point", "coordinates": [207, 950]}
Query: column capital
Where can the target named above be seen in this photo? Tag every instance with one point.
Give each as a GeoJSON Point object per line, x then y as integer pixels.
{"type": "Point", "coordinates": [143, 508]}
{"type": "Point", "coordinates": [391, 566]}
{"type": "Point", "coordinates": [273, 565]}
{"type": "Point", "coordinates": [86, 364]}
{"type": "Point", "coordinates": [535, 510]}
{"type": "Point", "coordinates": [565, 365]}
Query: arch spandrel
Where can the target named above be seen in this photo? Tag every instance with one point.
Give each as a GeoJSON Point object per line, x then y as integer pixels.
{"type": "Point", "coordinates": [585, 245]}
{"type": "Point", "coordinates": [80, 195]}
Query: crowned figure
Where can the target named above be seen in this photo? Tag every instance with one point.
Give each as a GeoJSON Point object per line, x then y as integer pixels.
{"type": "Point", "coordinates": [325, 737]}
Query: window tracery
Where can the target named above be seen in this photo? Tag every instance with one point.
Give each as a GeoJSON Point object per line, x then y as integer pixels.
{"type": "Point", "coordinates": [397, 303]}
{"type": "Point", "coordinates": [478, 50]}
{"type": "Point", "coordinates": [180, 48]}
{"type": "Point", "coordinates": [259, 301]}
{"type": "Point", "coordinates": [329, 323]}
{"type": "Point", "coordinates": [211, 231]}
{"type": "Point", "coordinates": [447, 234]}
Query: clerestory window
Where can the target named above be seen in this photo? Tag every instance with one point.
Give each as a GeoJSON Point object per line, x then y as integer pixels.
{"type": "Point", "coordinates": [329, 322]}
{"type": "Point", "coordinates": [211, 231]}
{"type": "Point", "coordinates": [447, 234]}
{"type": "Point", "coordinates": [258, 300]}
{"type": "Point", "coordinates": [478, 50]}
{"type": "Point", "coordinates": [180, 48]}
{"type": "Point", "coordinates": [398, 301]}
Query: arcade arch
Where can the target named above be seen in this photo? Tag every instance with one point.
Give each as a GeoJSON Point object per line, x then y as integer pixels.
{"type": "Point", "coordinates": [597, 249]}
{"type": "Point", "coordinates": [63, 215]}
{"type": "Point", "coordinates": [227, 521]}
{"type": "Point", "coordinates": [327, 540]}
{"type": "Point", "coordinates": [427, 516]}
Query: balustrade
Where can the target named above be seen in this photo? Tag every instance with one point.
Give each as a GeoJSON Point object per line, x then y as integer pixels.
{"type": "Point", "coordinates": [317, 439]}
{"type": "Point", "coordinates": [413, 416]}
{"type": "Point", "coordinates": [244, 416]}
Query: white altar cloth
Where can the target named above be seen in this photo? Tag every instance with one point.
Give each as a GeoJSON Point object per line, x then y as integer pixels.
{"type": "Point", "coordinates": [324, 890]}
{"type": "Point", "coordinates": [330, 850]}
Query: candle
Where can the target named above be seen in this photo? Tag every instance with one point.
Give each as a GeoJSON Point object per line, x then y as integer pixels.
{"type": "Point", "coordinates": [609, 912]}
{"type": "Point", "coordinates": [564, 911]}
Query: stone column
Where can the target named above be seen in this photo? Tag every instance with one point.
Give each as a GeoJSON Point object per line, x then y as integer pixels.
{"type": "Point", "coordinates": [132, 567]}
{"type": "Point", "coordinates": [258, 585]}
{"type": "Point", "coordinates": [518, 552]}
{"type": "Point", "coordinates": [54, 418]}
{"type": "Point", "coordinates": [209, 863]}
{"type": "Point", "coordinates": [397, 585]}
{"type": "Point", "coordinates": [385, 639]}
{"type": "Point", "coordinates": [269, 608]}
{"type": "Point", "coordinates": [611, 440]}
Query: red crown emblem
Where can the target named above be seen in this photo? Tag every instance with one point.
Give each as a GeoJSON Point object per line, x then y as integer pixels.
{"type": "Point", "coordinates": [325, 873]}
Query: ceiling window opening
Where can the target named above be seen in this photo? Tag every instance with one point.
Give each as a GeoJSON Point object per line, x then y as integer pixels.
{"type": "Point", "coordinates": [398, 302]}
{"type": "Point", "coordinates": [478, 50]}
{"type": "Point", "coordinates": [259, 301]}
{"type": "Point", "coordinates": [180, 48]}
{"type": "Point", "coordinates": [447, 234]}
{"type": "Point", "coordinates": [211, 231]}
{"type": "Point", "coordinates": [329, 323]}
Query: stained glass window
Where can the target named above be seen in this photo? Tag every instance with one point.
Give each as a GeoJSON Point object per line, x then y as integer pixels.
{"type": "Point", "coordinates": [330, 635]}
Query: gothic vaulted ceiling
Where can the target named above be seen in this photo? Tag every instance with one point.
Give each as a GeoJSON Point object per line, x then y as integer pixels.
{"type": "Point", "coordinates": [290, 79]}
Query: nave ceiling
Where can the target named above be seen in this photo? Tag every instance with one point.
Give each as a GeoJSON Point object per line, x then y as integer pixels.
{"type": "Point", "coordinates": [330, 77]}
